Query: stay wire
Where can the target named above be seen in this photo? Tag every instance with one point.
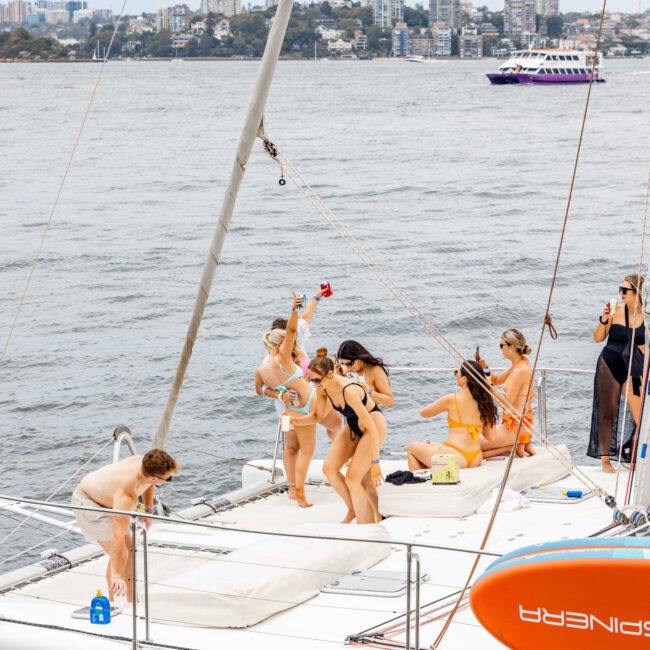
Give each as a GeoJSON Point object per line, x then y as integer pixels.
{"type": "Point", "coordinates": [60, 190]}
{"type": "Point", "coordinates": [546, 322]}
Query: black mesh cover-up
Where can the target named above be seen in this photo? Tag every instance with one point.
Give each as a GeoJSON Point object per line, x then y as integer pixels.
{"type": "Point", "coordinates": [611, 374]}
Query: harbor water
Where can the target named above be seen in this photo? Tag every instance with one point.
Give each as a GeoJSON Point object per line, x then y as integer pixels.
{"type": "Point", "coordinates": [456, 187]}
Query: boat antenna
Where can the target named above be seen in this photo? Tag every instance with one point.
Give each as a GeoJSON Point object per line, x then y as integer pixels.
{"type": "Point", "coordinates": [248, 136]}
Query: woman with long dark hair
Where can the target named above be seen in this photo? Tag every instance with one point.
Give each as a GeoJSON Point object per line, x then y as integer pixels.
{"type": "Point", "coordinates": [360, 439]}
{"type": "Point", "coordinates": [611, 381]}
{"type": "Point", "coordinates": [470, 411]}
{"type": "Point", "coordinates": [372, 373]}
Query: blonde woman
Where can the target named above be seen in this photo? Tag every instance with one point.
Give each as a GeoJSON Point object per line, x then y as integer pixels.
{"type": "Point", "coordinates": [611, 380]}
{"type": "Point", "coordinates": [515, 381]}
{"type": "Point", "coordinates": [281, 373]}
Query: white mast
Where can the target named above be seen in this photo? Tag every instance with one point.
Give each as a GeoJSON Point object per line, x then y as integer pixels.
{"type": "Point", "coordinates": [246, 141]}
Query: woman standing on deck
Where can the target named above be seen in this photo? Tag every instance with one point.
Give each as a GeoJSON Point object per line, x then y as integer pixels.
{"type": "Point", "coordinates": [469, 411]}
{"type": "Point", "coordinates": [281, 372]}
{"type": "Point", "coordinates": [612, 379]}
{"type": "Point", "coordinates": [360, 439]}
{"type": "Point", "coordinates": [515, 380]}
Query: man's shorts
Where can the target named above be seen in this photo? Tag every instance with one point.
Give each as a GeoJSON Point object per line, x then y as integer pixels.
{"type": "Point", "coordinates": [95, 526]}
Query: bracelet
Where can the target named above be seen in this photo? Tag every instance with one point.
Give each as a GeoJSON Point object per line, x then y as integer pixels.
{"type": "Point", "coordinates": [149, 511]}
{"type": "Point", "coordinates": [370, 391]}
{"type": "Point", "coordinates": [375, 462]}
{"type": "Point", "coordinates": [316, 298]}
{"type": "Point", "coordinates": [600, 321]}
{"type": "Point", "coordinates": [487, 372]}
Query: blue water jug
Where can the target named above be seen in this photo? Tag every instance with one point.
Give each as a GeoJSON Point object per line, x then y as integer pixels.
{"type": "Point", "coordinates": [100, 609]}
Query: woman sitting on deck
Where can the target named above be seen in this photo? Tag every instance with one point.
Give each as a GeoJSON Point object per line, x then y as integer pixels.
{"type": "Point", "coordinates": [515, 380]}
{"type": "Point", "coordinates": [281, 372]}
{"type": "Point", "coordinates": [470, 411]}
{"type": "Point", "coordinates": [360, 438]}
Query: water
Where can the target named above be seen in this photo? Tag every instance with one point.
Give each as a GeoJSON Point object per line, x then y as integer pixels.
{"type": "Point", "coordinates": [456, 186]}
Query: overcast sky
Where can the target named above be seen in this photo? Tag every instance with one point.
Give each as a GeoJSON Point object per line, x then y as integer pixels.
{"type": "Point", "coordinates": [138, 6]}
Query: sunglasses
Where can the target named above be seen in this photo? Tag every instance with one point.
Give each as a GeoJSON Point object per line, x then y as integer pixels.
{"type": "Point", "coordinates": [624, 290]}
{"type": "Point", "coordinates": [316, 382]}
{"type": "Point", "coordinates": [503, 345]}
{"type": "Point", "coordinates": [166, 480]}
{"type": "Point", "coordinates": [456, 372]}
{"type": "Point", "coordinates": [347, 364]}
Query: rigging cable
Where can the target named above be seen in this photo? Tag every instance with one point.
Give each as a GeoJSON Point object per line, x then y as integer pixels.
{"type": "Point", "coordinates": [629, 370]}
{"type": "Point", "coordinates": [58, 194]}
{"type": "Point", "coordinates": [545, 323]}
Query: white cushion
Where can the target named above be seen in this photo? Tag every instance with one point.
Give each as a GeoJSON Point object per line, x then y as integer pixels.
{"type": "Point", "coordinates": [255, 582]}
{"type": "Point", "coordinates": [476, 485]}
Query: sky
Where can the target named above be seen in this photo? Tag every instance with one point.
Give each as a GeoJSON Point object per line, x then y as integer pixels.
{"type": "Point", "coordinates": [138, 6]}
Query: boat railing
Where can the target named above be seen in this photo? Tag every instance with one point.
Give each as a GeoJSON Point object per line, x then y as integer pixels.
{"type": "Point", "coordinates": [138, 527]}
{"type": "Point", "coordinates": [122, 435]}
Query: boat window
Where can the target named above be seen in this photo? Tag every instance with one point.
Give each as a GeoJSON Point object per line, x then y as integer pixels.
{"type": "Point", "coordinates": [554, 57]}
{"type": "Point", "coordinates": [575, 57]}
{"type": "Point", "coordinates": [561, 57]}
{"type": "Point", "coordinates": [556, 71]}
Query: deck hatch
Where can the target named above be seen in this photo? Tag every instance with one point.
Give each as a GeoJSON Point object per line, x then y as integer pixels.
{"type": "Point", "coordinates": [370, 582]}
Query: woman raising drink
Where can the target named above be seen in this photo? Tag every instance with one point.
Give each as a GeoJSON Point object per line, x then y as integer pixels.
{"type": "Point", "coordinates": [469, 411]}
{"type": "Point", "coordinates": [611, 380]}
{"type": "Point", "coordinates": [360, 438]}
{"type": "Point", "coordinates": [281, 372]}
{"type": "Point", "coordinates": [515, 380]}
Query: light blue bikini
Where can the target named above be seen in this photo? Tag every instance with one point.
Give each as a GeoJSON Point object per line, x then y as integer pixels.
{"type": "Point", "coordinates": [283, 389]}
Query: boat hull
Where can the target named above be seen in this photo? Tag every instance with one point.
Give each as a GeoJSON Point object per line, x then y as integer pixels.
{"type": "Point", "coordinates": [499, 79]}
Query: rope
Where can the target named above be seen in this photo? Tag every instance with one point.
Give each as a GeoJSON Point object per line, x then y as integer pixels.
{"type": "Point", "coordinates": [629, 369]}
{"type": "Point", "coordinates": [545, 323]}
{"type": "Point", "coordinates": [15, 556]}
{"type": "Point", "coordinates": [58, 194]}
{"type": "Point", "coordinates": [621, 432]}
{"type": "Point", "coordinates": [11, 532]}
{"type": "Point", "coordinates": [319, 205]}
{"type": "Point", "coordinates": [235, 461]}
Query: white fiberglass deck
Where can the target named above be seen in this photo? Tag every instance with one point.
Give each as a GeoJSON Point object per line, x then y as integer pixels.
{"type": "Point", "coordinates": [324, 621]}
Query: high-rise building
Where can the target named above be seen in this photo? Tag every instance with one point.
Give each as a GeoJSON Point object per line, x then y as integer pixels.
{"type": "Point", "coordinates": [401, 40]}
{"type": "Point", "coordinates": [222, 7]}
{"type": "Point", "coordinates": [442, 41]}
{"type": "Point", "coordinates": [175, 19]}
{"type": "Point", "coordinates": [74, 5]}
{"type": "Point", "coordinates": [470, 43]}
{"type": "Point", "coordinates": [446, 12]}
{"type": "Point", "coordinates": [388, 12]}
{"type": "Point", "coordinates": [18, 11]}
{"type": "Point", "coordinates": [518, 17]}
{"type": "Point", "coordinates": [548, 7]}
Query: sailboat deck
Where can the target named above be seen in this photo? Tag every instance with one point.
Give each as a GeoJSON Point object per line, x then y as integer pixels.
{"type": "Point", "coordinates": [324, 621]}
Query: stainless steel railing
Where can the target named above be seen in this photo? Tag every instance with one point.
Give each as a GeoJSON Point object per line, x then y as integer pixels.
{"type": "Point", "coordinates": [136, 525]}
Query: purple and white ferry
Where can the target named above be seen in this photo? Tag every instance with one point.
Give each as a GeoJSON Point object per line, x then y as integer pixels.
{"type": "Point", "coordinates": [548, 66]}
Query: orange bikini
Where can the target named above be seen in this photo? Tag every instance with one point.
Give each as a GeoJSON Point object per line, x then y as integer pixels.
{"type": "Point", "coordinates": [512, 422]}
{"type": "Point", "coordinates": [473, 429]}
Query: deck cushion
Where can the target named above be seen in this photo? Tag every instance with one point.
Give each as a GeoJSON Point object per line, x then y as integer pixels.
{"type": "Point", "coordinates": [252, 583]}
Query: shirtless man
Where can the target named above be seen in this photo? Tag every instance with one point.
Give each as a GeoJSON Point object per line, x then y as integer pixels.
{"type": "Point", "coordinates": [118, 486]}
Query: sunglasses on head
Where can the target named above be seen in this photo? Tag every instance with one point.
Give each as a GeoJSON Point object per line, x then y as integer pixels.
{"type": "Point", "coordinates": [624, 290]}
{"type": "Point", "coordinates": [347, 364]}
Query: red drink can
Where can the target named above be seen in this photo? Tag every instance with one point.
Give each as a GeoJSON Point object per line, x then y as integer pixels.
{"type": "Point", "coordinates": [327, 288]}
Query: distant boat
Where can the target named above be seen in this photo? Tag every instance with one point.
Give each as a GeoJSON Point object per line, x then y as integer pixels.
{"type": "Point", "coordinates": [544, 66]}
{"type": "Point", "coordinates": [414, 58]}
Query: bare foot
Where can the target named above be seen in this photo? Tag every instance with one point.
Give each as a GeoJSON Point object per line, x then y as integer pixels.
{"type": "Point", "coordinates": [606, 466]}
{"type": "Point", "coordinates": [529, 449]}
{"type": "Point", "coordinates": [292, 491]}
{"type": "Point", "coordinates": [302, 499]}
{"type": "Point", "coordinates": [349, 517]}
{"type": "Point", "coordinates": [520, 451]}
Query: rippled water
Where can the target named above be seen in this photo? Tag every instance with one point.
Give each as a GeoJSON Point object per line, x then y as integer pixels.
{"type": "Point", "coordinates": [458, 187]}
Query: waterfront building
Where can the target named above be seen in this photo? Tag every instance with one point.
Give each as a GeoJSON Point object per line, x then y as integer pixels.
{"type": "Point", "coordinates": [180, 41]}
{"type": "Point", "coordinates": [360, 41]}
{"type": "Point", "coordinates": [470, 43]}
{"type": "Point", "coordinates": [57, 16]}
{"type": "Point", "coordinates": [328, 34]}
{"type": "Point", "coordinates": [339, 46]}
{"type": "Point", "coordinates": [518, 17]}
{"type": "Point", "coordinates": [488, 29]}
{"type": "Point", "coordinates": [401, 40]}
{"type": "Point", "coordinates": [388, 12]}
{"type": "Point", "coordinates": [225, 7]}
{"type": "Point", "coordinates": [548, 7]}
{"type": "Point", "coordinates": [442, 41]}
{"type": "Point", "coordinates": [446, 12]}
{"type": "Point", "coordinates": [422, 45]}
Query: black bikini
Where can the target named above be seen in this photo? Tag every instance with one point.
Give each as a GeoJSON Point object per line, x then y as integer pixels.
{"type": "Point", "coordinates": [348, 412]}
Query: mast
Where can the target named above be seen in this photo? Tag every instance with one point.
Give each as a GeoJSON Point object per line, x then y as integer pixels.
{"type": "Point", "coordinates": [246, 141]}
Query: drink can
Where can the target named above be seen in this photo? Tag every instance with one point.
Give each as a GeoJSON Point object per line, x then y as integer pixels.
{"type": "Point", "coordinates": [303, 304]}
{"type": "Point", "coordinates": [327, 288]}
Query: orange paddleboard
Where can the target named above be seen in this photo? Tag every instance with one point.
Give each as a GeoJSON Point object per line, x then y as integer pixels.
{"type": "Point", "coordinates": [595, 598]}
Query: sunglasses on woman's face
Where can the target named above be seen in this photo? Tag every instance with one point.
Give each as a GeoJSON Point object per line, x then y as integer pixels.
{"type": "Point", "coordinates": [624, 290]}
{"type": "Point", "coordinates": [347, 364]}
{"type": "Point", "coordinates": [457, 372]}
{"type": "Point", "coordinates": [503, 345]}
{"type": "Point", "coordinates": [317, 381]}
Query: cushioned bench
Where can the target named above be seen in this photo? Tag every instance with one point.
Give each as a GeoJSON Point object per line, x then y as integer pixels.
{"type": "Point", "coordinates": [476, 485]}
{"type": "Point", "coordinates": [252, 583]}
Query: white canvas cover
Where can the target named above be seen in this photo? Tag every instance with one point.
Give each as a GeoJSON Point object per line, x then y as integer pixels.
{"type": "Point", "coordinates": [475, 487]}
{"type": "Point", "coordinates": [255, 582]}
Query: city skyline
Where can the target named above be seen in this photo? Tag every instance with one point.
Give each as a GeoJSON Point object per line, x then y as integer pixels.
{"type": "Point", "coordinates": [152, 6]}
